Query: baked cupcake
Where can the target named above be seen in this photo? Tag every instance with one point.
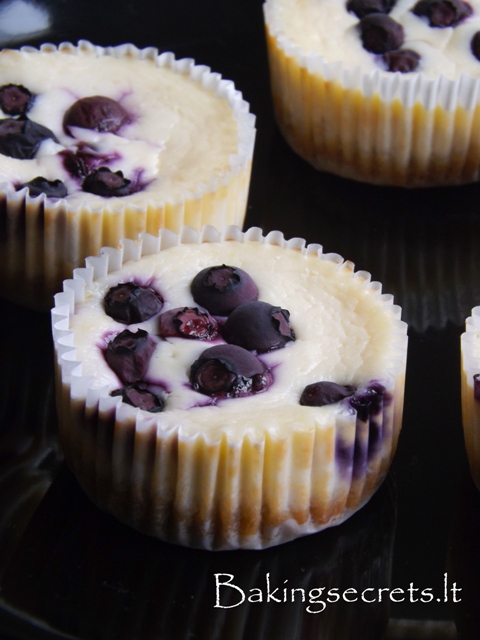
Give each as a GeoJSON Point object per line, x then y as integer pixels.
{"type": "Point", "coordinates": [227, 390]}
{"type": "Point", "coordinates": [98, 144]}
{"type": "Point", "coordinates": [383, 92]}
{"type": "Point", "coordinates": [470, 350]}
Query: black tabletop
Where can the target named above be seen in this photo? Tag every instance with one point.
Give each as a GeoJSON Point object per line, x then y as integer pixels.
{"type": "Point", "coordinates": [68, 570]}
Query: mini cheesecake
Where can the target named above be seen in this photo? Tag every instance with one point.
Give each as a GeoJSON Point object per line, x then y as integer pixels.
{"type": "Point", "coordinates": [258, 399]}
{"type": "Point", "coordinates": [98, 144]}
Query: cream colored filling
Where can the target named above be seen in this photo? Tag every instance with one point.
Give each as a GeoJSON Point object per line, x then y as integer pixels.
{"type": "Point", "coordinates": [326, 28]}
{"type": "Point", "coordinates": [344, 334]}
{"type": "Point", "coordinates": [180, 134]}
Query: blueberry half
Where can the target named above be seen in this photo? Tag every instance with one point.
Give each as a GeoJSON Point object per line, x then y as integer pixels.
{"type": "Point", "coordinates": [403, 60]}
{"type": "Point", "coordinates": [187, 322]}
{"type": "Point", "coordinates": [379, 33]}
{"type": "Point", "coordinates": [362, 8]}
{"type": "Point", "coordinates": [15, 99]}
{"type": "Point", "coordinates": [51, 188]}
{"type": "Point", "coordinates": [107, 184]}
{"type": "Point", "coordinates": [443, 13]}
{"type": "Point", "coordinates": [137, 395]}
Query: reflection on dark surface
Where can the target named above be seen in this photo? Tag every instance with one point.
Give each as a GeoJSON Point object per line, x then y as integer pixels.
{"type": "Point", "coordinates": [83, 573]}
{"type": "Point", "coordinates": [464, 560]}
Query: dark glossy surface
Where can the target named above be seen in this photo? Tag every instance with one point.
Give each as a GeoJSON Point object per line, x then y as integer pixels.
{"type": "Point", "coordinates": [67, 570]}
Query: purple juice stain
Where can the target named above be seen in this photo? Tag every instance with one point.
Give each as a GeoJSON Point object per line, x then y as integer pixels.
{"type": "Point", "coordinates": [85, 160]}
{"type": "Point", "coordinates": [476, 386]}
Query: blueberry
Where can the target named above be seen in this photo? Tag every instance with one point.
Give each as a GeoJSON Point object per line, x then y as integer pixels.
{"type": "Point", "coordinates": [320, 394]}
{"type": "Point", "coordinates": [258, 326]}
{"type": "Point", "coordinates": [187, 322]}
{"type": "Point", "coordinates": [20, 137]}
{"type": "Point", "coordinates": [96, 112]}
{"type": "Point", "coordinates": [228, 371]}
{"type": "Point", "coordinates": [82, 162]}
{"type": "Point", "coordinates": [368, 402]}
{"type": "Point", "coordinates": [128, 355]}
{"type": "Point", "coordinates": [379, 33]}
{"type": "Point", "coordinates": [106, 183]}
{"type": "Point", "coordinates": [139, 396]}
{"type": "Point", "coordinates": [15, 100]}
{"type": "Point", "coordinates": [129, 303]}
{"type": "Point", "coordinates": [475, 45]}
{"type": "Point", "coordinates": [403, 60]}
{"type": "Point", "coordinates": [221, 288]}
{"type": "Point", "coordinates": [51, 188]}
{"type": "Point", "coordinates": [362, 8]}
{"type": "Point", "coordinates": [443, 13]}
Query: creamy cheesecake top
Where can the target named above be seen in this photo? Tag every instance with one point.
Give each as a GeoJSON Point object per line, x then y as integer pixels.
{"type": "Point", "coordinates": [344, 332]}
{"type": "Point", "coordinates": [174, 133]}
{"type": "Point", "coordinates": [332, 29]}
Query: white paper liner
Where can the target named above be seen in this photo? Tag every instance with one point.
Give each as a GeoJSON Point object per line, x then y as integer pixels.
{"type": "Point", "coordinates": [226, 492]}
{"type": "Point", "coordinates": [377, 126]}
{"type": "Point", "coordinates": [42, 240]}
{"type": "Point", "coordinates": [470, 354]}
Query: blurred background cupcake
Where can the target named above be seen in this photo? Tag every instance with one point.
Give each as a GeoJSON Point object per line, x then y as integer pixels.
{"type": "Point", "coordinates": [380, 92]}
{"type": "Point", "coordinates": [97, 144]}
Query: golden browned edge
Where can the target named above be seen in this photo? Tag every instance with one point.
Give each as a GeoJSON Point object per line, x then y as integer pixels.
{"type": "Point", "coordinates": [364, 138]}
{"type": "Point", "coordinates": [41, 245]}
{"type": "Point", "coordinates": [218, 496]}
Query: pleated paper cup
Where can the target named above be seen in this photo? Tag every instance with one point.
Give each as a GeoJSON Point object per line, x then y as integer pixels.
{"type": "Point", "coordinates": [376, 126]}
{"type": "Point", "coordinates": [42, 239]}
{"type": "Point", "coordinates": [242, 472]}
{"type": "Point", "coordinates": [470, 350]}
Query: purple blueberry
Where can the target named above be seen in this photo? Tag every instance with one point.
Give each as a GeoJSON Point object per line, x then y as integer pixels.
{"type": "Point", "coordinates": [15, 100]}
{"type": "Point", "coordinates": [51, 188]}
{"type": "Point", "coordinates": [20, 137]}
{"type": "Point", "coordinates": [222, 288]}
{"type": "Point", "coordinates": [322, 393]}
{"type": "Point", "coordinates": [130, 303]}
{"type": "Point", "coordinates": [443, 13]}
{"type": "Point", "coordinates": [137, 395]}
{"type": "Point", "coordinates": [107, 184]}
{"type": "Point", "coordinates": [379, 33]}
{"type": "Point", "coordinates": [362, 8]}
{"type": "Point", "coordinates": [258, 326]}
{"type": "Point", "coordinates": [128, 355]}
{"type": "Point", "coordinates": [82, 162]}
{"type": "Point", "coordinates": [96, 112]}
{"type": "Point", "coordinates": [475, 45]}
{"type": "Point", "coordinates": [369, 401]}
{"type": "Point", "coordinates": [187, 322]}
{"type": "Point", "coordinates": [403, 60]}
{"type": "Point", "coordinates": [228, 371]}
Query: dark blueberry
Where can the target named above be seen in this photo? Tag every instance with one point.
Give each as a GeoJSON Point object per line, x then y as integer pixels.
{"type": "Point", "coordinates": [320, 394]}
{"type": "Point", "coordinates": [380, 33]}
{"type": "Point", "coordinates": [83, 162]}
{"type": "Point", "coordinates": [369, 401]}
{"type": "Point", "coordinates": [187, 322]}
{"type": "Point", "coordinates": [258, 326]}
{"type": "Point", "coordinates": [443, 13]}
{"type": "Point", "coordinates": [128, 355]}
{"type": "Point", "coordinates": [221, 288]}
{"type": "Point", "coordinates": [140, 397]}
{"type": "Point", "coordinates": [476, 386]}
{"type": "Point", "coordinates": [106, 183]}
{"type": "Point", "coordinates": [403, 60]}
{"type": "Point", "coordinates": [228, 371]}
{"type": "Point", "coordinates": [51, 188]}
{"type": "Point", "coordinates": [129, 303]}
{"type": "Point", "coordinates": [15, 100]}
{"type": "Point", "coordinates": [475, 45]}
{"type": "Point", "coordinates": [20, 137]}
{"type": "Point", "coordinates": [362, 8]}
{"type": "Point", "coordinates": [96, 112]}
